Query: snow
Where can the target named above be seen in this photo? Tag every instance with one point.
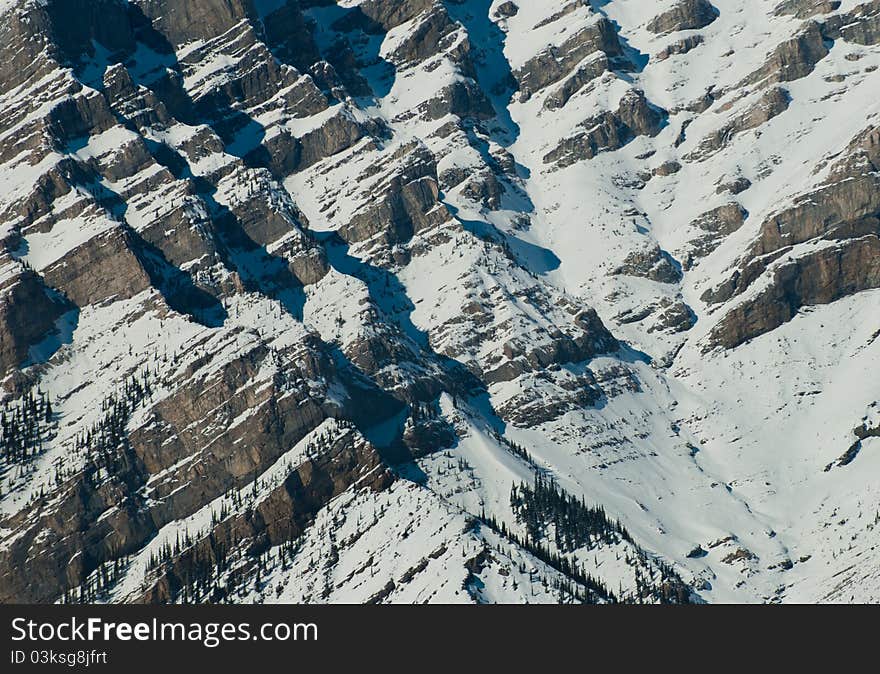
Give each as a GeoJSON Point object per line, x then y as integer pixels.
{"type": "Point", "coordinates": [726, 449]}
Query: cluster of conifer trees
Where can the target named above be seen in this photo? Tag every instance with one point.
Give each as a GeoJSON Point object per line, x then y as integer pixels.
{"type": "Point", "coordinates": [578, 526]}
{"type": "Point", "coordinates": [516, 449]}
{"type": "Point", "coordinates": [211, 566]}
{"type": "Point", "coordinates": [104, 445]}
{"type": "Point", "coordinates": [211, 570]}
{"type": "Point", "coordinates": [97, 584]}
{"type": "Point", "coordinates": [591, 590]}
{"type": "Point", "coordinates": [193, 568]}
{"type": "Point", "coordinates": [25, 424]}
{"type": "Point", "coordinates": [575, 524]}
{"type": "Point", "coordinates": [104, 441]}
{"type": "Point", "coordinates": [424, 411]}
{"type": "Point", "coordinates": [668, 588]}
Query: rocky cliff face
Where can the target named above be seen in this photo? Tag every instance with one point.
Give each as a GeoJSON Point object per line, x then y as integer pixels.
{"type": "Point", "coordinates": [294, 294]}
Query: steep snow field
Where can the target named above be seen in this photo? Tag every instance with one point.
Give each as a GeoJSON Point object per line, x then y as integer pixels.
{"type": "Point", "coordinates": [739, 467]}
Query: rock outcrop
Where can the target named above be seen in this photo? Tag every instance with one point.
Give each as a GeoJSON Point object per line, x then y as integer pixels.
{"type": "Point", "coordinates": [686, 15]}
{"type": "Point", "coordinates": [844, 210]}
{"type": "Point", "coordinates": [285, 281]}
{"type": "Point", "coordinates": [717, 224]}
{"type": "Point", "coordinates": [555, 63]}
{"type": "Point", "coordinates": [772, 103]}
{"type": "Point", "coordinates": [793, 59]}
{"type": "Point", "coordinates": [859, 26]}
{"type": "Point", "coordinates": [816, 278]}
{"type": "Point", "coordinates": [682, 46]}
{"type": "Point", "coordinates": [654, 264]}
{"type": "Point", "coordinates": [805, 9]}
{"type": "Point", "coordinates": [634, 116]}
{"type": "Point", "coordinates": [27, 316]}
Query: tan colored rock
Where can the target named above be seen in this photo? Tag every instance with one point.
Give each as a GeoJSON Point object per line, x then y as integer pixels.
{"type": "Point", "coordinates": [816, 278]}
{"type": "Point", "coordinates": [28, 313]}
{"type": "Point", "coordinates": [805, 9]}
{"type": "Point", "coordinates": [682, 46]}
{"type": "Point", "coordinates": [686, 15]}
{"type": "Point", "coordinates": [553, 64]}
{"type": "Point", "coordinates": [793, 59]}
{"type": "Point", "coordinates": [861, 25]}
{"type": "Point", "coordinates": [103, 268]}
{"type": "Point", "coordinates": [609, 131]}
{"type": "Point", "coordinates": [772, 103]}
{"type": "Point", "coordinates": [651, 263]}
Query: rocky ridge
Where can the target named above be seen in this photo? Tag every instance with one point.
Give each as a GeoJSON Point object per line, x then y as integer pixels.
{"type": "Point", "coordinates": [316, 283]}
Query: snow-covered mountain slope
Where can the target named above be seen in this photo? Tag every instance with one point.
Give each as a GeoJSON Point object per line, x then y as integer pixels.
{"type": "Point", "coordinates": [422, 301]}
